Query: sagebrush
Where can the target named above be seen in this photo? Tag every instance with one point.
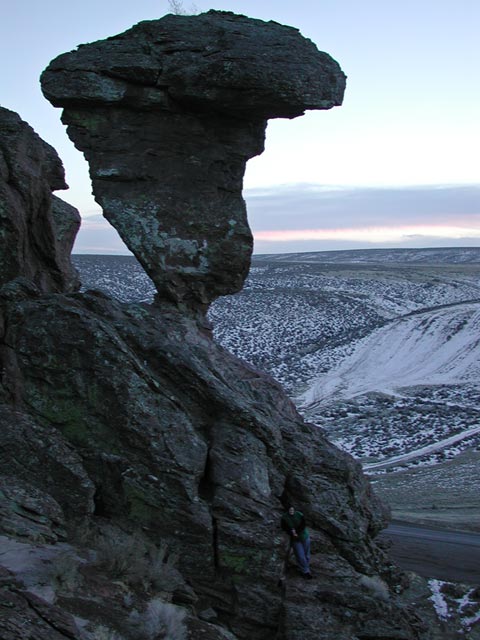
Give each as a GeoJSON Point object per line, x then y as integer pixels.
{"type": "Point", "coordinates": [136, 561]}
{"type": "Point", "coordinates": [160, 621]}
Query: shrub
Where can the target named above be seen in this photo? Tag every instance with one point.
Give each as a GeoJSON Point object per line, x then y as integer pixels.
{"type": "Point", "coordinates": [104, 633]}
{"type": "Point", "coordinates": [138, 562]}
{"type": "Point", "coordinates": [376, 586]}
{"type": "Point", "coordinates": [176, 7]}
{"type": "Point", "coordinates": [160, 621]}
{"type": "Point", "coordinates": [64, 572]}
{"type": "Point", "coordinates": [160, 570]}
{"type": "Point", "coordinates": [118, 552]}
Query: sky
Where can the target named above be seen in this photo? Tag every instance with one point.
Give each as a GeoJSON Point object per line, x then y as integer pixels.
{"type": "Point", "coordinates": [395, 166]}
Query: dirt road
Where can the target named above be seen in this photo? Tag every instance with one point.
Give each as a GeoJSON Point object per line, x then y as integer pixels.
{"type": "Point", "coordinates": [435, 553]}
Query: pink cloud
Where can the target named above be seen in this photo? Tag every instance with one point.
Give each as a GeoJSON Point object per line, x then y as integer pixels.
{"type": "Point", "coordinates": [369, 234]}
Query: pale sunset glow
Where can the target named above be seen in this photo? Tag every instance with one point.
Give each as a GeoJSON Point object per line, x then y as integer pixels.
{"type": "Point", "coordinates": [367, 235]}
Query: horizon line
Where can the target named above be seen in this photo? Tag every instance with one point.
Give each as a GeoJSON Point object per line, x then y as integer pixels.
{"type": "Point", "coordinates": [356, 249]}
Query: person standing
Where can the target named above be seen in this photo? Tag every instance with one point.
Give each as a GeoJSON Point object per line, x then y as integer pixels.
{"type": "Point", "coordinates": [293, 523]}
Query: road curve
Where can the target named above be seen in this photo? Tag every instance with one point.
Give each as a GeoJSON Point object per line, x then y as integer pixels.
{"type": "Point", "coordinates": [453, 556]}
{"type": "Point", "coordinates": [418, 453]}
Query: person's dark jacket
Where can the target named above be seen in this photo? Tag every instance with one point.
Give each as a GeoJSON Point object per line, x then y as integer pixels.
{"type": "Point", "coordinates": [297, 523]}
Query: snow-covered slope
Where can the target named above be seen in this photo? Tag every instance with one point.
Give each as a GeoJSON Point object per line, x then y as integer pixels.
{"type": "Point", "coordinates": [437, 347]}
{"type": "Point", "coordinates": [297, 319]}
{"type": "Point", "coordinates": [443, 255]}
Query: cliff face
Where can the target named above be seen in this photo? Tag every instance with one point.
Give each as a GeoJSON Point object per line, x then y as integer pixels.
{"type": "Point", "coordinates": [129, 423]}
{"type": "Point", "coordinates": [37, 229]}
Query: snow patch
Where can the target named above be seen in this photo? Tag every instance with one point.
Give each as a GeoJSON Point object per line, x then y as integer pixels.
{"type": "Point", "coordinates": [439, 603]}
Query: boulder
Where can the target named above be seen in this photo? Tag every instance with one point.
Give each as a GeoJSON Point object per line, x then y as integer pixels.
{"type": "Point", "coordinates": [167, 115]}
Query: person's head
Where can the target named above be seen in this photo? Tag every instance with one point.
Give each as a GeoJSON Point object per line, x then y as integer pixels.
{"type": "Point", "coordinates": [291, 510]}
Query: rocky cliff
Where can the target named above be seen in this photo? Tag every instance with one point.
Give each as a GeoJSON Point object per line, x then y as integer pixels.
{"type": "Point", "coordinates": [144, 468]}
{"type": "Point", "coordinates": [37, 229]}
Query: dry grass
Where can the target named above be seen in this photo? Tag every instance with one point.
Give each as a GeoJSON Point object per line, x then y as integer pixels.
{"type": "Point", "coordinates": [136, 561]}
{"type": "Point", "coordinates": [104, 633]}
{"type": "Point", "coordinates": [376, 586]}
{"type": "Point", "coordinates": [63, 572]}
{"type": "Point", "coordinates": [117, 551]}
{"type": "Point", "coordinates": [160, 621]}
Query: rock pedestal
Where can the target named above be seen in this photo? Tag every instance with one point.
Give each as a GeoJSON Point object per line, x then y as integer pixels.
{"type": "Point", "coordinates": [167, 114]}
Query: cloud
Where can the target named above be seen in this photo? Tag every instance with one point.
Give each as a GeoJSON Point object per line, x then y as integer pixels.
{"type": "Point", "coordinates": [416, 242]}
{"type": "Point", "coordinates": [307, 206]}
{"type": "Point", "coordinates": [308, 217]}
{"type": "Point", "coordinates": [370, 235]}
{"type": "Point", "coordinates": [97, 236]}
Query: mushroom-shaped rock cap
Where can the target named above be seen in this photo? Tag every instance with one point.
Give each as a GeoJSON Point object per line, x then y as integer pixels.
{"type": "Point", "coordinates": [167, 115]}
{"type": "Point", "coordinates": [216, 61]}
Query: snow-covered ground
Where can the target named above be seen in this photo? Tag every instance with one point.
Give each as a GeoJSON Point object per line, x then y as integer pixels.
{"type": "Point", "coordinates": [438, 347]}
{"type": "Point", "coordinates": [450, 255]}
{"type": "Point", "coordinates": [451, 601]}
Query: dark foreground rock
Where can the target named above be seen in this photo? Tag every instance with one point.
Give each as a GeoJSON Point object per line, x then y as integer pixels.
{"type": "Point", "coordinates": [166, 431]}
{"type": "Point", "coordinates": [24, 615]}
{"type": "Point", "coordinates": [167, 114]}
{"type": "Point", "coordinates": [37, 229]}
{"type": "Point", "coordinates": [144, 469]}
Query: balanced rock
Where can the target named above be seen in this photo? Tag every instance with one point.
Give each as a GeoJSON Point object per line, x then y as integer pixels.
{"type": "Point", "coordinates": [129, 417]}
{"type": "Point", "coordinates": [167, 114]}
{"type": "Point", "coordinates": [37, 229]}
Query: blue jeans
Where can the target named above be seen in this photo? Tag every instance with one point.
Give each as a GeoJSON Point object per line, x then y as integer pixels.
{"type": "Point", "coordinates": [301, 549]}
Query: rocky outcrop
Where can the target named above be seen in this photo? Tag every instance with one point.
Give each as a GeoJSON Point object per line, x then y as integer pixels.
{"type": "Point", "coordinates": [37, 229]}
{"type": "Point", "coordinates": [180, 438]}
{"type": "Point", "coordinates": [167, 114]}
{"type": "Point", "coordinates": [24, 615]}
{"type": "Point", "coordinates": [140, 461]}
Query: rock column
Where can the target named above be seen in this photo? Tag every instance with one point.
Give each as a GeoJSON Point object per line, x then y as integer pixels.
{"type": "Point", "coordinates": [167, 115]}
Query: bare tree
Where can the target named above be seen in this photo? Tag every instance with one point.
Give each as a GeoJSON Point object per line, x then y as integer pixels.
{"type": "Point", "coordinates": [176, 7]}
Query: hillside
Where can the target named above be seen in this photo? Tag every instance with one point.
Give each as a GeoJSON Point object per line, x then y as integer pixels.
{"type": "Point", "coordinates": [384, 356]}
{"type": "Point", "coordinates": [445, 255]}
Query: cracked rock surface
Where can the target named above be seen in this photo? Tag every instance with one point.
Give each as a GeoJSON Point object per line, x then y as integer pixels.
{"type": "Point", "coordinates": [178, 438]}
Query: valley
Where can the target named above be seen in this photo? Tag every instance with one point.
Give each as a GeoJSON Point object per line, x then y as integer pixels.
{"type": "Point", "coordinates": [379, 348]}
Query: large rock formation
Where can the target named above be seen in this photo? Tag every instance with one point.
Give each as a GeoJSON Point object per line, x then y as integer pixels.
{"type": "Point", "coordinates": [167, 114]}
{"type": "Point", "coordinates": [37, 229]}
{"type": "Point", "coordinates": [169, 432]}
{"type": "Point", "coordinates": [128, 425]}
